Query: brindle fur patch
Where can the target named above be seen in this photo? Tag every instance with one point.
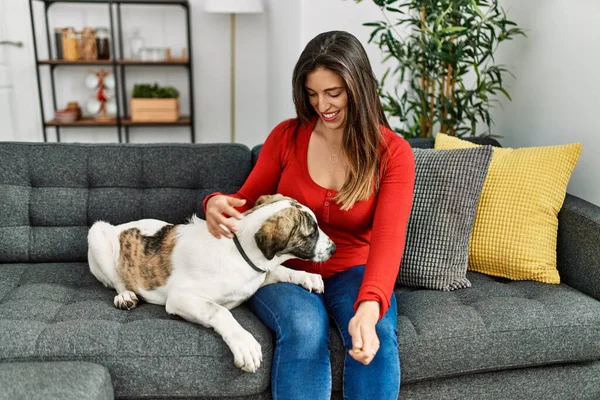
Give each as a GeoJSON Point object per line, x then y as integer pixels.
{"type": "Point", "coordinates": [145, 261]}
{"type": "Point", "coordinates": [302, 244]}
{"type": "Point", "coordinates": [268, 199]}
{"type": "Point", "coordinates": [291, 230]}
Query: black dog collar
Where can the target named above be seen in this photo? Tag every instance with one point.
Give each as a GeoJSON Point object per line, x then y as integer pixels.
{"type": "Point", "coordinates": [245, 256]}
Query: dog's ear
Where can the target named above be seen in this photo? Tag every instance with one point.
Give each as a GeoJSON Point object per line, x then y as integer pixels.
{"type": "Point", "coordinates": [275, 233]}
{"type": "Point", "coordinates": [268, 198]}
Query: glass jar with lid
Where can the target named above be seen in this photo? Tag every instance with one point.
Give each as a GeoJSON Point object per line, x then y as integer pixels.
{"type": "Point", "coordinates": [70, 44]}
{"type": "Point", "coordinates": [103, 43]}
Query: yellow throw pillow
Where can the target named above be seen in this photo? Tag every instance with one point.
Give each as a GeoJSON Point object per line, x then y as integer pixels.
{"type": "Point", "coordinates": [515, 229]}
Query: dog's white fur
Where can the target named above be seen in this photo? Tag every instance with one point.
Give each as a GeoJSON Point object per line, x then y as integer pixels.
{"type": "Point", "coordinates": [208, 276]}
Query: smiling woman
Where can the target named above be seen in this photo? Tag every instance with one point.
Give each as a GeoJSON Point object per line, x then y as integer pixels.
{"type": "Point", "coordinates": [327, 94]}
{"type": "Point", "coordinates": [340, 158]}
{"type": "Point", "coordinates": [343, 76]}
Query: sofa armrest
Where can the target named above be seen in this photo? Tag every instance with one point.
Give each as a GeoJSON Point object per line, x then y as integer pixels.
{"type": "Point", "coordinates": [579, 245]}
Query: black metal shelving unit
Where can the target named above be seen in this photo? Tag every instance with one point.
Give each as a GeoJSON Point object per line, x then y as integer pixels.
{"type": "Point", "coordinates": [122, 122]}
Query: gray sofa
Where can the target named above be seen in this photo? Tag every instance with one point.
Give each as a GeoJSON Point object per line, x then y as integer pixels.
{"type": "Point", "coordinates": [497, 340]}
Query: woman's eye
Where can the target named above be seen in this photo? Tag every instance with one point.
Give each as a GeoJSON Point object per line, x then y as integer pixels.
{"type": "Point", "coordinates": [334, 94]}
{"type": "Point", "coordinates": [312, 94]}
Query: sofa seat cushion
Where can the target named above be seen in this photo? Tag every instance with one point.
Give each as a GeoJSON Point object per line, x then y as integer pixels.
{"type": "Point", "coordinates": [68, 380]}
{"type": "Point", "coordinates": [59, 311]}
{"type": "Point", "coordinates": [496, 324]}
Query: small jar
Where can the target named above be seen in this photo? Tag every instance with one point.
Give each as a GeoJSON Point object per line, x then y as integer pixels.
{"type": "Point", "coordinates": [103, 44]}
{"type": "Point", "coordinates": [88, 49]}
{"type": "Point", "coordinates": [74, 106]}
{"type": "Point", "coordinates": [137, 45]}
{"type": "Point", "coordinates": [58, 40]}
{"type": "Point", "coordinates": [70, 45]}
{"type": "Point", "coordinates": [159, 54]}
{"type": "Point", "coordinates": [146, 54]}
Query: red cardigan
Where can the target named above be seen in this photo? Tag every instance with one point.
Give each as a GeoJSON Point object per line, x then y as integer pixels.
{"type": "Point", "coordinates": [372, 233]}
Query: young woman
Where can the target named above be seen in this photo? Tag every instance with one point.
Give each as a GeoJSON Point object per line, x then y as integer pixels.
{"type": "Point", "coordinates": [340, 158]}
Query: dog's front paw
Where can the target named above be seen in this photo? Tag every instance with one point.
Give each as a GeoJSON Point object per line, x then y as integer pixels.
{"type": "Point", "coordinates": [312, 282]}
{"type": "Point", "coordinates": [126, 300]}
{"type": "Point", "coordinates": [247, 354]}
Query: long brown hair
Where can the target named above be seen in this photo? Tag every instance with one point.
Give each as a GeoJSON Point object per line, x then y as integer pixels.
{"type": "Point", "coordinates": [342, 53]}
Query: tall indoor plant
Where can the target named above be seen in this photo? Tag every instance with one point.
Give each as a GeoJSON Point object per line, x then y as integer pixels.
{"type": "Point", "coordinates": [443, 68]}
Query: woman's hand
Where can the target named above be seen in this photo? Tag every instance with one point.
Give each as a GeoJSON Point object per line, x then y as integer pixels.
{"type": "Point", "coordinates": [365, 342]}
{"type": "Point", "coordinates": [218, 209]}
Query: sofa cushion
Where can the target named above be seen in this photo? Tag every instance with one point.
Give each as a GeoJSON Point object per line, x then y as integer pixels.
{"type": "Point", "coordinates": [448, 185]}
{"type": "Point", "coordinates": [552, 382]}
{"type": "Point", "coordinates": [496, 324]}
{"type": "Point", "coordinates": [68, 380]}
{"type": "Point", "coordinates": [58, 312]}
{"type": "Point", "coordinates": [50, 193]}
{"type": "Point", "coordinates": [517, 220]}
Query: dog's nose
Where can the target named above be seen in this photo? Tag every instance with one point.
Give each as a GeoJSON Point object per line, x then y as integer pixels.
{"type": "Point", "coordinates": [331, 248]}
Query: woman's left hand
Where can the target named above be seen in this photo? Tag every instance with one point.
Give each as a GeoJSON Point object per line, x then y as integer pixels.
{"type": "Point", "coordinates": [365, 342]}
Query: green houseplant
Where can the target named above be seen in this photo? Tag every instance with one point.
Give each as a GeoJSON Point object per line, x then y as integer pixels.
{"type": "Point", "coordinates": [152, 103]}
{"type": "Point", "coordinates": [442, 63]}
{"type": "Point", "coordinates": [146, 91]}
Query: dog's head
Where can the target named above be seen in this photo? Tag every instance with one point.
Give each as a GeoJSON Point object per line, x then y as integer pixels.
{"type": "Point", "coordinates": [290, 228]}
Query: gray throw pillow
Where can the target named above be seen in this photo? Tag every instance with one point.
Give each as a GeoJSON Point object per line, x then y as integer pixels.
{"type": "Point", "coordinates": [448, 185]}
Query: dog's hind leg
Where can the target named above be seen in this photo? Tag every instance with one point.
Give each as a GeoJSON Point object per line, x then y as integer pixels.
{"type": "Point", "coordinates": [246, 350]}
{"type": "Point", "coordinates": [103, 251]}
{"type": "Point", "coordinates": [310, 282]}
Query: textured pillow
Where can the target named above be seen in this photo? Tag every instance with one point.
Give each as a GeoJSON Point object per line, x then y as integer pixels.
{"type": "Point", "coordinates": [448, 185]}
{"type": "Point", "coordinates": [517, 220]}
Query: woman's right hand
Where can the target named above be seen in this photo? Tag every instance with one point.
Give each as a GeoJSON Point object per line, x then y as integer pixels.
{"type": "Point", "coordinates": [218, 209]}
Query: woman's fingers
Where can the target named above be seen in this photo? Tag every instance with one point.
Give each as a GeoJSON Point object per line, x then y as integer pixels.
{"type": "Point", "coordinates": [229, 210]}
{"type": "Point", "coordinates": [357, 340]}
{"type": "Point", "coordinates": [365, 342]}
{"type": "Point", "coordinates": [235, 202]}
{"type": "Point", "coordinates": [214, 229]}
{"type": "Point", "coordinates": [226, 205]}
{"type": "Point", "coordinates": [217, 213]}
{"type": "Point", "coordinates": [220, 226]}
{"type": "Point", "coordinates": [355, 333]}
{"type": "Point", "coordinates": [371, 345]}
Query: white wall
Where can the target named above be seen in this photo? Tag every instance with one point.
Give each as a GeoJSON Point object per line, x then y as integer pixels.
{"type": "Point", "coordinates": [163, 26]}
{"type": "Point", "coordinates": [554, 95]}
{"type": "Point", "coordinates": [267, 48]}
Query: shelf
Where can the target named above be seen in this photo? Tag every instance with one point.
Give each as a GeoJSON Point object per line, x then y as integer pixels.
{"type": "Point", "coordinates": [145, 2]}
{"type": "Point", "coordinates": [87, 121]}
{"type": "Point", "coordinates": [166, 62]}
{"type": "Point", "coordinates": [109, 62]}
{"type": "Point", "coordinates": [182, 121]}
{"type": "Point", "coordinates": [124, 66]}
{"type": "Point", "coordinates": [80, 62]}
{"type": "Point", "coordinates": [82, 122]}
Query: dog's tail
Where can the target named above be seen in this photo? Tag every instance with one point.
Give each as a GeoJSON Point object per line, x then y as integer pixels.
{"type": "Point", "coordinates": [103, 252]}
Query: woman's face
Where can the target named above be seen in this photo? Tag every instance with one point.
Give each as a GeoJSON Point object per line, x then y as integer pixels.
{"type": "Point", "coordinates": [327, 94]}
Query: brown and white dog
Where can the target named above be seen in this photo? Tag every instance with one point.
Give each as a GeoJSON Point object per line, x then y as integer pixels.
{"type": "Point", "coordinates": [201, 278]}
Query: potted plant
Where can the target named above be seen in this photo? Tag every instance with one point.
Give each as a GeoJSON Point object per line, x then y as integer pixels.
{"type": "Point", "coordinates": [444, 73]}
{"type": "Point", "coordinates": [152, 103]}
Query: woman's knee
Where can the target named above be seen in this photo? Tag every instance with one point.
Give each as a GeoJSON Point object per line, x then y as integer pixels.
{"type": "Point", "coordinates": [307, 330]}
{"type": "Point", "coordinates": [297, 317]}
{"type": "Point", "coordinates": [387, 332]}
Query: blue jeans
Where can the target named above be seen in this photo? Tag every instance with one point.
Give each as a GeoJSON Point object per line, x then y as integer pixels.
{"type": "Point", "coordinates": [301, 367]}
